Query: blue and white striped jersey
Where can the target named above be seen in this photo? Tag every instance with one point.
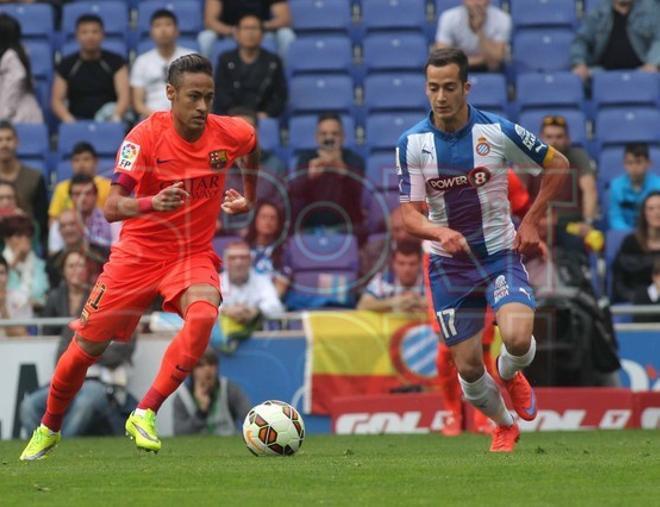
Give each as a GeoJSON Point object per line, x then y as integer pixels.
{"type": "Point", "coordinates": [462, 176]}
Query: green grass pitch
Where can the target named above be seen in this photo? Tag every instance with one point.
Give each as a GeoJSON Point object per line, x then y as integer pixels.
{"type": "Point", "coordinates": [586, 468]}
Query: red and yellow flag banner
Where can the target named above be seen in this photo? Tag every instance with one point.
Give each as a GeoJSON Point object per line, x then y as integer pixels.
{"type": "Point", "coordinates": [354, 352]}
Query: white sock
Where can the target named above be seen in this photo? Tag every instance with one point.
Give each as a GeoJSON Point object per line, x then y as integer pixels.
{"type": "Point", "coordinates": [485, 396]}
{"type": "Point", "coordinates": [508, 364]}
{"type": "Point", "coordinates": [140, 412]}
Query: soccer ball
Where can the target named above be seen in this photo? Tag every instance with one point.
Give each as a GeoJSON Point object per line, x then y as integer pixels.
{"type": "Point", "coordinates": [273, 428]}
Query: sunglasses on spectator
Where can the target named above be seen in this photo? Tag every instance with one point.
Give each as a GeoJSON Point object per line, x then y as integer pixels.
{"type": "Point", "coordinates": [557, 121]}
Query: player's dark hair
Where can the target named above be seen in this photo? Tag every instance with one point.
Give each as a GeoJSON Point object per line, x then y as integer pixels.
{"type": "Point", "coordinates": [82, 179]}
{"type": "Point", "coordinates": [7, 125]}
{"type": "Point", "coordinates": [192, 63]}
{"type": "Point", "coordinates": [329, 116]}
{"type": "Point", "coordinates": [164, 13]}
{"type": "Point", "coordinates": [16, 225]}
{"type": "Point", "coordinates": [244, 111]}
{"type": "Point", "coordinates": [446, 56]}
{"type": "Point", "coordinates": [89, 18]}
{"type": "Point", "coordinates": [408, 247]}
{"type": "Point", "coordinates": [84, 147]}
{"type": "Point", "coordinates": [10, 38]}
{"type": "Point", "coordinates": [637, 150]}
{"type": "Point", "coordinates": [642, 229]}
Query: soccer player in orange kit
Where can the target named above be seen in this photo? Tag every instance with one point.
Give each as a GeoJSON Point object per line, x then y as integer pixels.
{"type": "Point", "coordinates": [173, 164]}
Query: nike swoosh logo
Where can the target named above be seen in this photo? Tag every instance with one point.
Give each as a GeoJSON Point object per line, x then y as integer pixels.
{"type": "Point", "coordinates": [532, 406]}
{"type": "Point", "coordinates": [159, 161]}
{"type": "Point", "coordinates": [144, 433]}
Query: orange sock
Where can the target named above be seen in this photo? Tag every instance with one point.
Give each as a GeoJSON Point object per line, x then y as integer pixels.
{"type": "Point", "coordinates": [450, 389]}
{"type": "Point", "coordinates": [183, 353]}
{"type": "Point", "coordinates": [67, 380]}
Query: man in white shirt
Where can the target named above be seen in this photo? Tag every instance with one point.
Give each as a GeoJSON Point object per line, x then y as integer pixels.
{"type": "Point", "coordinates": [482, 31]}
{"type": "Point", "coordinates": [149, 73]}
{"type": "Point", "coordinates": [246, 294]}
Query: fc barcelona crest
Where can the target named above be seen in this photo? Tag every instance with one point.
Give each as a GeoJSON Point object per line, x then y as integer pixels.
{"type": "Point", "coordinates": [218, 159]}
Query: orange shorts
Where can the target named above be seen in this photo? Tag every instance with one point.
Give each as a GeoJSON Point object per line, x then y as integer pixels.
{"type": "Point", "coordinates": [126, 289]}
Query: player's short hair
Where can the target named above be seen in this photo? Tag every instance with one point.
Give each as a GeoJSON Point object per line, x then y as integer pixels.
{"type": "Point", "coordinates": [164, 13]}
{"type": "Point", "coordinates": [16, 225]}
{"type": "Point", "coordinates": [84, 147]}
{"type": "Point", "coordinates": [408, 247]}
{"type": "Point", "coordinates": [82, 179]}
{"type": "Point", "coordinates": [329, 116]}
{"type": "Point", "coordinates": [441, 57]}
{"type": "Point", "coordinates": [637, 150]}
{"type": "Point", "coordinates": [209, 357]}
{"type": "Point", "coordinates": [89, 18]}
{"type": "Point", "coordinates": [192, 63]}
{"type": "Point", "coordinates": [7, 125]}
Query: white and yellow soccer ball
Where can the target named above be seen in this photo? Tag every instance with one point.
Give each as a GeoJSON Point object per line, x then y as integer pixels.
{"type": "Point", "coordinates": [273, 428]}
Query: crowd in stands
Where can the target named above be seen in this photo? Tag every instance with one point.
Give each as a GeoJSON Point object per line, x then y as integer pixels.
{"type": "Point", "coordinates": [329, 86]}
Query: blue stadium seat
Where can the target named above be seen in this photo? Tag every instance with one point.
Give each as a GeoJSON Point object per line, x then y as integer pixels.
{"type": "Point", "coordinates": [314, 16]}
{"type": "Point", "coordinates": [105, 137]}
{"type": "Point", "coordinates": [188, 13]}
{"type": "Point", "coordinates": [113, 13]}
{"type": "Point", "coordinates": [381, 171]}
{"type": "Point", "coordinates": [395, 51]}
{"type": "Point", "coordinates": [443, 5]}
{"type": "Point", "coordinates": [332, 53]}
{"type": "Point", "coordinates": [394, 91]}
{"type": "Point", "coordinates": [488, 92]}
{"type": "Point", "coordinates": [112, 45]}
{"type": "Point", "coordinates": [32, 140]}
{"type": "Point", "coordinates": [41, 59]}
{"type": "Point", "coordinates": [613, 240]}
{"type": "Point", "coordinates": [547, 13]}
{"type": "Point", "coordinates": [625, 88]}
{"type": "Point", "coordinates": [314, 93]}
{"type": "Point", "coordinates": [542, 50]}
{"type": "Point", "coordinates": [64, 171]}
{"type": "Point", "coordinates": [185, 42]}
{"type": "Point", "coordinates": [269, 133]}
{"type": "Point", "coordinates": [384, 129]}
{"type": "Point", "coordinates": [560, 89]}
{"type": "Point", "coordinates": [394, 15]}
{"type": "Point", "coordinates": [610, 163]}
{"type": "Point", "coordinates": [220, 243]}
{"type": "Point", "coordinates": [576, 120]}
{"type": "Point", "coordinates": [626, 125]}
{"type": "Point", "coordinates": [302, 132]}
{"type": "Point", "coordinates": [590, 5]}
{"type": "Point", "coordinates": [37, 20]}
{"type": "Point", "coordinates": [311, 251]}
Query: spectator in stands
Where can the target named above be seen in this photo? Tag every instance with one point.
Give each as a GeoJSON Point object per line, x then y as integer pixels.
{"type": "Point", "coordinates": [326, 190]}
{"type": "Point", "coordinates": [29, 183]}
{"type": "Point", "coordinates": [13, 304]}
{"type": "Point", "coordinates": [578, 202]}
{"type": "Point", "coordinates": [249, 75]}
{"type": "Point", "coordinates": [9, 206]}
{"type": "Point", "coordinates": [93, 83]}
{"type": "Point", "coordinates": [633, 265]}
{"type": "Point", "coordinates": [246, 294]}
{"type": "Point", "coordinates": [17, 101]}
{"type": "Point", "coordinates": [222, 16]}
{"type": "Point", "coordinates": [84, 194]}
{"type": "Point", "coordinates": [623, 35]}
{"type": "Point", "coordinates": [265, 237]}
{"type": "Point", "coordinates": [481, 30]}
{"type": "Point", "coordinates": [399, 288]}
{"type": "Point", "coordinates": [27, 272]}
{"type": "Point", "coordinates": [209, 402]}
{"type": "Point", "coordinates": [149, 72]}
{"type": "Point", "coordinates": [72, 232]}
{"type": "Point", "coordinates": [84, 160]}
{"type": "Point", "coordinates": [649, 295]}
{"type": "Point", "coordinates": [629, 190]}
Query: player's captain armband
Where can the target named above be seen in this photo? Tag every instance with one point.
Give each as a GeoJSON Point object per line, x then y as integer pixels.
{"type": "Point", "coordinates": [550, 154]}
{"type": "Point", "coordinates": [128, 155]}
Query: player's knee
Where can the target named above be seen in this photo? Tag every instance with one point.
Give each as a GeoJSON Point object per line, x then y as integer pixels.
{"type": "Point", "coordinates": [201, 316]}
{"type": "Point", "coordinates": [517, 341]}
{"type": "Point", "coordinates": [94, 349]}
{"type": "Point", "coordinates": [470, 372]}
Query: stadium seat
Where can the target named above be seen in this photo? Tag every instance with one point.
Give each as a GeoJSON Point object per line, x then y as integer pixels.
{"type": "Point", "coordinates": [332, 53]}
{"type": "Point", "coordinates": [302, 132]}
{"type": "Point", "coordinates": [37, 20]}
{"type": "Point", "coordinates": [543, 13]}
{"type": "Point", "coordinates": [269, 133]}
{"type": "Point", "coordinates": [590, 5]}
{"type": "Point", "coordinates": [443, 5]}
{"type": "Point", "coordinates": [105, 137]}
{"type": "Point", "coordinates": [576, 120]}
{"type": "Point", "coordinates": [381, 172]}
{"type": "Point", "coordinates": [627, 125]}
{"type": "Point", "coordinates": [613, 240]}
{"type": "Point", "coordinates": [392, 92]}
{"type": "Point", "coordinates": [545, 50]}
{"type": "Point", "coordinates": [32, 140]}
{"type": "Point", "coordinates": [393, 15]}
{"type": "Point", "coordinates": [318, 251]}
{"type": "Point", "coordinates": [221, 242]}
{"type": "Point", "coordinates": [112, 45]}
{"type": "Point", "coordinates": [559, 89]}
{"type": "Point", "coordinates": [395, 51]}
{"type": "Point", "coordinates": [184, 42]}
{"type": "Point", "coordinates": [113, 13]}
{"type": "Point", "coordinates": [384, 129]}
{"type": "Point", "coordinates": [314, 93]}
{"type": "Point", "coordinates": [314, 16]}
{"type": "Point", "coordinates": [610, 163]}
{"type": "Point", "coordinates": [41, 59]}
{"type": "Point", "coordinates": [188, 13]}
{"type": "Point", "coordinates": [489, 92]}
{"type": "Point", "coordinates": [379, 205]}
{"type": "Point", "coordinates": [616, 88]}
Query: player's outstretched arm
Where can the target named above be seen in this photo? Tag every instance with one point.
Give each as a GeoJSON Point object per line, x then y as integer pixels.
{"type": "Point", "coordinates": [419, 226]}
{"type": "Point", "coordinates": [120, 205]}
{"type": "Point", "coordinates": [250, 171]}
